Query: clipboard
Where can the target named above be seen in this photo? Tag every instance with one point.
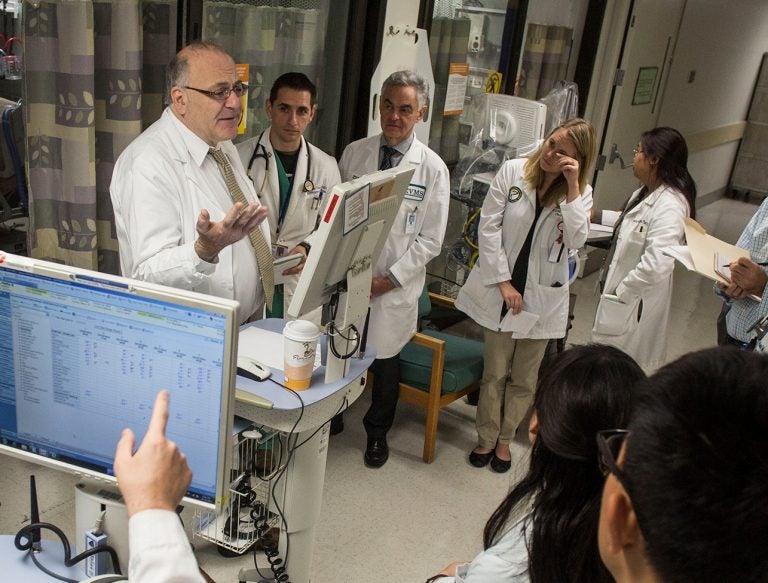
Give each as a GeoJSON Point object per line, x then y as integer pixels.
{"type": "Point", "coordinates": [707, 251]}
{"type": "Point", "coordinates": [284, 263]}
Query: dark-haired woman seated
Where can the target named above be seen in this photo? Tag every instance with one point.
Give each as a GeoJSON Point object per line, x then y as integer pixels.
{"type": "Point", "coordinates": [545, 530]}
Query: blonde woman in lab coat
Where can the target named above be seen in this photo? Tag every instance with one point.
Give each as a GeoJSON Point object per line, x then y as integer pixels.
{"type": "Point", "coordinates": [634, 304]}
{"type": "Point", "coordinates": [535, 211]}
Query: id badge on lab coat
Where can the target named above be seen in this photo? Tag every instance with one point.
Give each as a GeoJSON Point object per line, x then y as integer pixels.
{"type": "Point", "coordinates": [556, 252]}
{"type": "Point", "coordinates": [410, 223]}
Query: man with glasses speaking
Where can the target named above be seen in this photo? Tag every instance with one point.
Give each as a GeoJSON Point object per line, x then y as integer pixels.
{"type": "Point", "coordinates": [185, 212]}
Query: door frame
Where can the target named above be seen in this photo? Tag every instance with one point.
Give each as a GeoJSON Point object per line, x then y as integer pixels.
{"type": "Point", "coordinates": [610, 52]}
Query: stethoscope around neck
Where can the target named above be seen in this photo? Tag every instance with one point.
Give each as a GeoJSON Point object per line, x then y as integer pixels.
{"type": "Point", "coordinates": [260, 151]}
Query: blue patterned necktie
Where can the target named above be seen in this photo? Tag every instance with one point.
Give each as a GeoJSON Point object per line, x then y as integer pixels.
{"type": "Point", "coordinates": [389, 155]}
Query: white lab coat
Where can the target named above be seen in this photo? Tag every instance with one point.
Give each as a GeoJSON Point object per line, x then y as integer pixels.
{"type": "Point", "coordinates": [160, 549]}
{"type": "Point", "coordinates": [304, 207]}
{"type": "Point", "coordinates": [640, 272]}
{"type": "Point", "coordinates": [405, 254]}
{"type": "Point", "coordinates": [506, 217]}
{"type": "Point", "coordinates": [161, 182]}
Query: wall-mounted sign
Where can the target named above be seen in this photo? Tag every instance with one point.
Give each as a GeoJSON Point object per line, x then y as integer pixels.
{"type": "Point", "coordinates": [646, 81]}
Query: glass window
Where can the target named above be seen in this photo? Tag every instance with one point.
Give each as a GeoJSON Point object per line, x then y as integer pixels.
{"type": "Point", "coordinates": [471, 32]}
{"type": "Point", "coordinates": [275, 37]}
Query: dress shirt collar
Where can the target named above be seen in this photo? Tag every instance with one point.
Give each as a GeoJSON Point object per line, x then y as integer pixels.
{"type": "Point", "coordinates": [196, 147]}
{"type": "Point", "coordinates": [402, 147]}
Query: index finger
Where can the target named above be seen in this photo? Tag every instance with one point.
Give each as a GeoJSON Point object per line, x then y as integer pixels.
{"type": "Point", "coordinates": [159, 415]}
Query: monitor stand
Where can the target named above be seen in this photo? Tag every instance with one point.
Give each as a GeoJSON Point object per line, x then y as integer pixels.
{"type": "Point", "coordinates": [91, 497]}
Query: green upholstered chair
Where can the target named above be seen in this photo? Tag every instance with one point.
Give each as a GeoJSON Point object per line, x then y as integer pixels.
{"type": "Point", "coordinates": [437, 368]}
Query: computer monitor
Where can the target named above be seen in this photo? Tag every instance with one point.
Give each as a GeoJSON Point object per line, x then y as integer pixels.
{"type": "Point", "coordinates": [84, 356]}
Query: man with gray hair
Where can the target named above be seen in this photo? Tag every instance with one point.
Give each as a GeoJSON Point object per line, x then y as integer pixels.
{"type": "Point", "coordinates": [416, 237]}
{"type": "Point", "coordinates": [186, 214]}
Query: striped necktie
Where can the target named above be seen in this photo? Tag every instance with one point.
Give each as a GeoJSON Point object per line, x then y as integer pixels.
{"type": "Point", "coordinates": [260, 246]}
{"type": "Point", "coordinates": [389, 155]}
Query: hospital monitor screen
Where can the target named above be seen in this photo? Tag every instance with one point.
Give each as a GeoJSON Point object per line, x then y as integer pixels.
{"type": "Point", "coordinates": [84, 355]}
{"type": "Point", "coordinates": [367, 205]}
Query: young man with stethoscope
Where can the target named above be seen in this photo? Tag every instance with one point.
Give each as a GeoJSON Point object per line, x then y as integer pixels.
{"type": "Point", "coordinates": [290, 175]}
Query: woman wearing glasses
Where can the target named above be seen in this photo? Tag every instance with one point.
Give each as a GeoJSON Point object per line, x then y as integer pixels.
{"type": "Point", "coordinates": [637, 279]}
{"type": "Point", "coordinates": [545, 530]}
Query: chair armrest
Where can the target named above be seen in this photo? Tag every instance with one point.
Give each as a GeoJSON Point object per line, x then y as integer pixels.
{"type": "Point", "coordinates": [434, 344]}
{"type": "Point", "coordinates": [441, 300]}
{"type": "Point", "coordinates": [437, 347]}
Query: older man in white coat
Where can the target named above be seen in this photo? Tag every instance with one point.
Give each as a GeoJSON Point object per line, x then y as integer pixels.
{"type": "Point", "coordinates": [290, 175]}
{"type": "Point", "coordinates": [415, 238]}
{"type": "Point", "coordinates": [185, 212]}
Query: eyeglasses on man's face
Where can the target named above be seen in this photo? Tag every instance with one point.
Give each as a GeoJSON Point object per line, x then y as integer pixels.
{"type": "Point", "coordinates": [238, 89]}
{"type": "Point", "coordinates": [637, 150]}
{"type": "Point", "coordinates": [609, 444]}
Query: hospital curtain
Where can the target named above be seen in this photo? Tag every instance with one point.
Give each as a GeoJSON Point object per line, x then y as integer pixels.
{"type": "Point", "coordinates": [448, 42]}
{"type": "Point", "coordinates": [272, 39]}
{"type": "Point", "coordinates": [545, 59]}
{"type": "Point", "coordinates": [94, 77]}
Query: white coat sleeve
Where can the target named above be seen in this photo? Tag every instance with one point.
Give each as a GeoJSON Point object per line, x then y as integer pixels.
{"type": "Point", "coordinates": [493, 262]}
{"type": "Point", "coordinates": [429, 240]}
{"type": "Point", "coordinates": [160, 550]}
{"type": "Point", "coordinates": [667, 227]}
{"type": "Point", "coordinates": [344, 170]}
{"type": "Point", "coordinates": [576, 219]}
{"type": "Point", "coordinates": [152, 198]}
{"type": "Point", "coordinates": [504, 562]}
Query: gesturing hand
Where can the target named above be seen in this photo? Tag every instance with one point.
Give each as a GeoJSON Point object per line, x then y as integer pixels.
{"type": "Point", "coordinates": [570, 169]}
{"type": "Point", "coordinates": [236, 224]}
{"type": "Point", "coordinates": [157, 475]}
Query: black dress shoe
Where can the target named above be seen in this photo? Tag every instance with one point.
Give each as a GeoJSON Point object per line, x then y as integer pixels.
{"type": "Point", "coordinates": [480, 460]}
{"type": "Point", "coordinates": [499, 465]}
{"type": "Point", "coordinates": [337, 424]}
{"type": "Point", "coordinates": [376, 452]}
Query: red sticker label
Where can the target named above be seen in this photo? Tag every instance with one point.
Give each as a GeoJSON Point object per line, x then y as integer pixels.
{"type": "Point", "coordinates": [331, 206]}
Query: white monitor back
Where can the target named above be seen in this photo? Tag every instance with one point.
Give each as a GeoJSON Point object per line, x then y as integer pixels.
{"type": "Point", "coordinates": [351, 234]}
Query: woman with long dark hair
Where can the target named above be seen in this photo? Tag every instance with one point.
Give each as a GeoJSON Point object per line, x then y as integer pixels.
{"type": "Point", "coordinates": [545, 530]}
{"type": "Point", "coordinates": [637, 291]}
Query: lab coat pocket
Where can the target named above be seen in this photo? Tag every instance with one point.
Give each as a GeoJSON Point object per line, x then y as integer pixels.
{"type": "Point", "coordinates": [614, 317]}
{"type": "Point", "coordinates": [550, 304]}
{"type": "Point", "coordinates": [633, 248]}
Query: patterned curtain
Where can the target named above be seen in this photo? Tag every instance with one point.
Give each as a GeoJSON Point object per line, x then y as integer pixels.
{"type": "Point", "coordinates": [545, 59]}
{"type": "Point", "coordinates": [448, 42]}
{"type": "Point", "coordinates": [272, 40]}
{"type": "Point", "coordinates": [94, 77]}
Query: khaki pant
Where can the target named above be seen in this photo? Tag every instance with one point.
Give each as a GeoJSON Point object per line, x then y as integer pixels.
{"type": "Point", "coordinates": [509, 380]}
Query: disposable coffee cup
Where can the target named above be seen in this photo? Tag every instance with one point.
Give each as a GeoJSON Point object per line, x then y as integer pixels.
{"type": "Point", "coordinates": [299, 343]}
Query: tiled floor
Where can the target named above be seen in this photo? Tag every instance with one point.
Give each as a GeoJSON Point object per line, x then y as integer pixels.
{"type": "Point", "coordinates": [407, 520]}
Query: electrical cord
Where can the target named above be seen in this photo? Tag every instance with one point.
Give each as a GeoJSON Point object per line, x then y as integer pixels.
{"type": "Point", "coordinates": [277, 564]}
{"type": "Point", "coordinates": [342, 407]}
{"type": "Point", "coordinates": [27, 532]}
{"type": "Point", "coordinates": [333, 331]}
